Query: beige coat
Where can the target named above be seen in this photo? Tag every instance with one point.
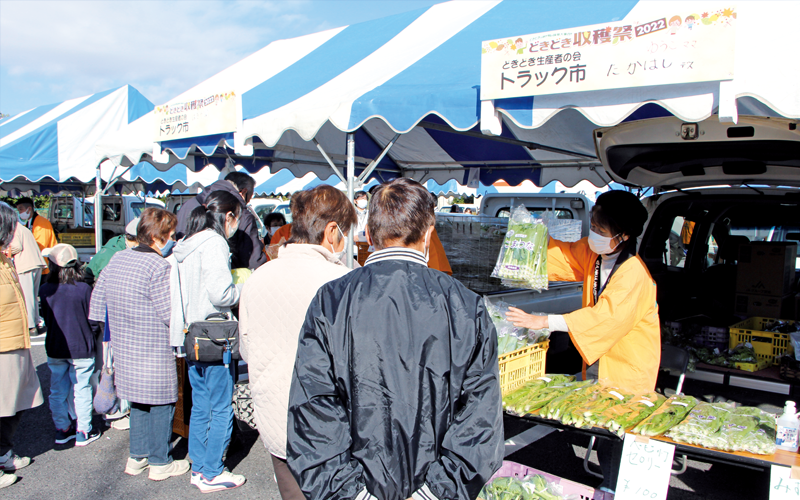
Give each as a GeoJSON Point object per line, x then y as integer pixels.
{"type": "Point", "coordinates": [271, 312]}
{"type": "Point", "coordinates": [13, 315]}
{"type": "Point", "coordinates": [17, 372]}
{"type": "Point", "coordinates": [25, 251]}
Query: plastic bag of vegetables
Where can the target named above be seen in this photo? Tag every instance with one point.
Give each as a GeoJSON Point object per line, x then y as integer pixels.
{"type": "Point", "coordinates": [747, 429]}
{"type": "Point", "coordinates": [668, 415]}
{"type": "Point", "coordinates": [532, 388]}
{"type": "Point", "coordinates": [701, 426]}
{"type": "Point", "coordinates": [621, 417]}
{"type": "Point", "coordinates": [587, 413]}
{"type": "Point", "coordinates": [523, 257]}
{"type": "Point", "coordinates": [510, 337]}
{"type": "Point", "coordinates": [539, 397]}
{"type": "Point", "coordinates": [560, 405]}
{"type": "Point", "coordinates": [532, 487]}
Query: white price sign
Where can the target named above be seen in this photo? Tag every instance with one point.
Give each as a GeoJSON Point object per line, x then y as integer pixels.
{"type": "Point", "coordinates": [644, 470]}
{"type": "Point", "coordinates": [781, 484]}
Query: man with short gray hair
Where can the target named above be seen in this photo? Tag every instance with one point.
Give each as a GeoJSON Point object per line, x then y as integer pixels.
{"type": "Point", "coordinates": [395, 392]}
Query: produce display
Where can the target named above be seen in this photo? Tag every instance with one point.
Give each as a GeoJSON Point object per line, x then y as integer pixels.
{"type": "Point", "coordinates": [666, 416]}
{"type": "Point", "coordinates": [523, 257]}
{"type": "Point", "coordinates": [721, 426]}
{"type": "Point", "coordinates": [743, 353]}
{"type": "Point", "coordinates": [623, 416]}
{"type": "Point", "coordinates": [535, 487]}
{"type": "Point", "coordinates": [510, 337]}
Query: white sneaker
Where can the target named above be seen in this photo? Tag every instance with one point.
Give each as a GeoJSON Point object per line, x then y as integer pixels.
{"type": "Point", "coordinates": [225, 481]}
{"type": "Point", "coordinates": [11, 462]}
{"type": "Point", "coordinates": [122, 424]}
{"type": "Point", "coordinates": [196, 478]}
{"type": "Point", "coordinates": [174, 468]}
{"type": "Point", "coordinates": [7, 479]}
{"type": "Point", "coordinates": [134, 467]}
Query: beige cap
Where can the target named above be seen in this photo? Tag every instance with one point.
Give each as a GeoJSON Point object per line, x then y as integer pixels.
{"type": "Point", "coordinates": [62, 255]}
{"type": "Point", "coordinates": [131, 227]}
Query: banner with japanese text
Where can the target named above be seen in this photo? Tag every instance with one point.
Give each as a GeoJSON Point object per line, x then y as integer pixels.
{"type": "Point", "coordinates": [211, 114]}
{"type": "Point", "coordinates": [664, 45]}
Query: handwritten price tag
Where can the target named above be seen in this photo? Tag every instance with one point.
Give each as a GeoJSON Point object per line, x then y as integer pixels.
{"type": "Point", "coordinates": [781, 484]}
{"type": "Point", "coordinates": [644, 470]}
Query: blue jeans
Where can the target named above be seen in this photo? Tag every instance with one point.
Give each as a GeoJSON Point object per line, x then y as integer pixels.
{"type": "Point", "coordinates": [151, 429]}
{"type": "Point", "coordinates": [68, 377]}
{"type": "Point", "coordinates": [211, 422]}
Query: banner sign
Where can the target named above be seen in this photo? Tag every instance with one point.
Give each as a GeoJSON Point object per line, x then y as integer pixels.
{"type": "Point", "coordinates": [213, 114]}
{"type": "Point", "coordinates": [664, 45]}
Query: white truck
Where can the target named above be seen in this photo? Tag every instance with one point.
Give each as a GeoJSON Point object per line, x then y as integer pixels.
{"type": "Point", "coordinates": [78, 231]}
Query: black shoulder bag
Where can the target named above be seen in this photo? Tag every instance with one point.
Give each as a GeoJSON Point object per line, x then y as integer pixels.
{"type": "Point", "coordinates": [213, 340]}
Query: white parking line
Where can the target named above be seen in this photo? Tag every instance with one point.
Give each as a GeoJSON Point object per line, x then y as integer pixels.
{"type": "Point", "coordinates": [37, 343]}
{"type": "Point", "coordinates": [525, 438]}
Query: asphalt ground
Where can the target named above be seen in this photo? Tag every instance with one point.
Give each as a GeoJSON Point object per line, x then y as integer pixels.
{"type": "Point", "coordinates": [96, 471]}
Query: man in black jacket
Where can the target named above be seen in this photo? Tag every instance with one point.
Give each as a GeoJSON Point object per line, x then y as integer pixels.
{"type": "Point", "coordinates": [395, 392]}
{"type": "Point", "coordinates": [247, 249]}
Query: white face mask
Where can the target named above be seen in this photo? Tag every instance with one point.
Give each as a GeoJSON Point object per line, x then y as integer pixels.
{"type": "Point", "coordinates": [23, 216]}
{"type": "Point", "coordinates": [600, 244]}
{"type": "Point", "coordinates": [339, 255]}
{"type": "Point", "coordinates": [272, 230]}
{"type": "Point", "coordinates": [232, 229]}
{"type": "Point", "coordinates": [362, 203]}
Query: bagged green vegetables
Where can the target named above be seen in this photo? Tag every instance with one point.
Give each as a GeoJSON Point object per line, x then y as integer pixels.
{"type": "Point", "coordinates": [532, 487]}
{"type": "Point", "coordinates": [531, 397]}
{"type": "Point", "coordinates": [747, 429]}
{"type": "Point", "coordinates": [701, 426]}
{"type": "Point", "coordinates": [559, 405]}
{"type": "Point", "coordinates": [510, 337]}
{"type": "Point", "coordinates": [523, 257]}
{"type": "Point", "coordinates": [668, 415]}
{"type": "Point", "coordinates": [585, 414]}
{"type": "Point", "coordinates": [621, 417]}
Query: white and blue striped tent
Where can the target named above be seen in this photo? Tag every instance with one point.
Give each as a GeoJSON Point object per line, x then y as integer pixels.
{"type": "Point", "coordinates": [412, 81]}
{"type": "Point", "coordinates": [53, 146]}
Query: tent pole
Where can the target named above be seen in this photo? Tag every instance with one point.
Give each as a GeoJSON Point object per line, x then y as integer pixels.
{"type": "Point", "coordinates": [114, 180]}
{"type": "Point", "coordinates": [374, 163]}
{"type": "Point", "coordinates": [351, 171]}
{"type": "Point", "coordinates": [98, 212]}
{"type": "Point", "coordinates": [330, 162]}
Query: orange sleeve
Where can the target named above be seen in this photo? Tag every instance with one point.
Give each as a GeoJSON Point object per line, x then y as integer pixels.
{"type": "Point", "coordinates": [437, 257]}
{"type": "Point", "coordinates": [569, 261]}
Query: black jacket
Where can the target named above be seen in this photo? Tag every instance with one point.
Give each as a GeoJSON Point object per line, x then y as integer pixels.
{"type": "Point", "coordinates": [247, 249]}
{"type": "Point", "coordinates": [395, 388]}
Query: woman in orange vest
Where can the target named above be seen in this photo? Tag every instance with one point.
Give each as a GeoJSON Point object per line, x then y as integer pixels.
{"type": "Point", "coordinates": [618, 325]}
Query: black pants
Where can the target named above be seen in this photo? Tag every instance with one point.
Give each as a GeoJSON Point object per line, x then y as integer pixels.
{"type": "Point", "coordinates": [8, 427]}
{"type": "Point", "coordinates": [609, 454]}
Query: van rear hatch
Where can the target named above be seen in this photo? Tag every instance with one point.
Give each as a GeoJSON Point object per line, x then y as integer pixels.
{"type": "Point", "coordinates": [667, 153]}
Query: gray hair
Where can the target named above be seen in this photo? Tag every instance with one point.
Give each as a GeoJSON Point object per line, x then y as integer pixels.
{"type": "Point", "coordinates": [8, 223]}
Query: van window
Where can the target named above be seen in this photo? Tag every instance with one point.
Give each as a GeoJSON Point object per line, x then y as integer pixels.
{"type": "Point", "coordinates": [64, 210]}
{"type": "Point", "coordinates": [139, 207]}
{"type": "Point", "coordinates": [537, 213]}
{"type": "Point", "coordinates": [680, 237]}
{"type": "Point", "coordinates": [112, 212]}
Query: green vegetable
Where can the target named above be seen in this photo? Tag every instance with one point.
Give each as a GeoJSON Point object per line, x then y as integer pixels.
{"type": "Point", "coordinates": [523, 256]}
{"type": "Point", "coordinates": [624, 416]}
{"type": "Point", "coordinates": [665, 417]}
{"type": "Point", "coordinates": [702, 424]}
{"type": "Point", "coordinates": [521, 404]}
{"type": "Point", "coordinates": [531, 487]}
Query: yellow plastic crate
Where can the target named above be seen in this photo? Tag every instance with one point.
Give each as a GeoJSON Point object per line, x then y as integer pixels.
{"type": "Point", "coordinates": [753, 367]}
{"type": "Point", "coordinates": [522, 365]}
{"type": "Point", "coordinates": [769, 346]}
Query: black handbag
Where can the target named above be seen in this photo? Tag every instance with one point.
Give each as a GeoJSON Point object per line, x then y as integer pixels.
{"type": "Point", "coordinates": [213, 340]}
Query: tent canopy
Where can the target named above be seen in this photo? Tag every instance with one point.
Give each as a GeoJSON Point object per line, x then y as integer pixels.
{"type": "Point", "coordinates": [418, 74]}
{"type": "Point", "coordinates": [56, 142]}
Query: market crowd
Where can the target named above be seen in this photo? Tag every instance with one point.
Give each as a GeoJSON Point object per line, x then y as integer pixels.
{"type": "Point", "coordinates": [374, 382]}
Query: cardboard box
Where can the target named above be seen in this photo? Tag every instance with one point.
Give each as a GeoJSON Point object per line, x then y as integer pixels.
{"type": "Point", "coordinates": [764, 306]}
{"type": "Point", "coordinates": [766, 268]}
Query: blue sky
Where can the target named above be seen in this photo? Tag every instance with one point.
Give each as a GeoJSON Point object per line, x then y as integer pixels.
{"type": "Point", "coordinates": [51, 51]}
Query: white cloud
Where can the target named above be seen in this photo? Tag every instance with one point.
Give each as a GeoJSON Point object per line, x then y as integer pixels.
{"type": "Point", "coordinates": [159, 47]}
